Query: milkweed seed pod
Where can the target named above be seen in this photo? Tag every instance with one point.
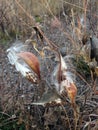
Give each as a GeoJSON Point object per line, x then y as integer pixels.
{"type": "Point", "coordinates": [64, 79]}
{"type": "Point", "coordinates": [25, 62]}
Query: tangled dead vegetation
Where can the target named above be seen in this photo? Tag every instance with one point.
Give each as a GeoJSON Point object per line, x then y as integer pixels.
{"type": "Point", "coordinates": [32, 105]}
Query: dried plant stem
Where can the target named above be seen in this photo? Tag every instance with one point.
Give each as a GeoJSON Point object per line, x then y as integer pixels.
{"type": "Point", "coordinates": [51, 44]}
{"type": "Point", "coordinates": [66, 117]}
{"type": "Point", "coordinates": [60, 27]}
{"type": "Point", "coordinates": [83, 8]}
{"type": "Point", "coordinates": [76, 114]}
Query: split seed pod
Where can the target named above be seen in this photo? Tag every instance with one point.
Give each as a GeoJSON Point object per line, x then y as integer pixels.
{"type": "Point", "coordinates": [65, 80]}
{"type": "Point", "coordinates": [25, 62]}
{"type": "Point", "coordinates": [32, 61]}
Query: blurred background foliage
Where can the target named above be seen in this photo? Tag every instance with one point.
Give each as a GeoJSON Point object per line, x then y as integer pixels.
{"type": "Point", "coordinates": [13, 21]}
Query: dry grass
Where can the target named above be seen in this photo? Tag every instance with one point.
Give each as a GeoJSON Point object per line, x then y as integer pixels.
{"type": "Point", "coordinates": [15, 22]}
{"type": "Point", "coordinates": [18, 18]}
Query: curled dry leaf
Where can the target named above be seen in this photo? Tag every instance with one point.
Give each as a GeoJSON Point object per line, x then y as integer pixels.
{"type": "Point", "coordinates": [96, 71]}
{"type": "Point", "coordinates": [31, 60]}
{"type": "Point", "coordinates": [72, 92]}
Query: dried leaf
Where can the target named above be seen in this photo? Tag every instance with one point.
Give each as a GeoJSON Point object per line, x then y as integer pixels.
{"type": "Point", "coordinates": [42, 54]}
{"type": "Point", "coordinates": [96, 71]}
{"type": "Point", "coordinates": [71, 91]}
